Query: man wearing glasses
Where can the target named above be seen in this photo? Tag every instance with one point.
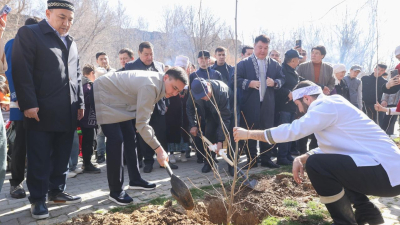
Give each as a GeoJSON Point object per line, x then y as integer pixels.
{"type": "Point", "coordinates": [275, 55]}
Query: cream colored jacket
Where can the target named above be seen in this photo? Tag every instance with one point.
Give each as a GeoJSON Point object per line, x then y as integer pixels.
{"type": "Point", "coordinates": [128, 95]}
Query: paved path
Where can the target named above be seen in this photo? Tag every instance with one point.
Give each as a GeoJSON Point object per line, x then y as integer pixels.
{"type": "Point", "coordinates": [93, 189]}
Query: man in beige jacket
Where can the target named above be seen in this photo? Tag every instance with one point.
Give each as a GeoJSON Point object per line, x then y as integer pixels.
{"type": "Point", "coordinates": [123, 99]}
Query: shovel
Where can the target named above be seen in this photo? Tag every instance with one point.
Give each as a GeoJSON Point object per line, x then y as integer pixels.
{"type": "Point", "coordinates": [179, 190]}
{"type": "Point", "coordinates": [253, 184]}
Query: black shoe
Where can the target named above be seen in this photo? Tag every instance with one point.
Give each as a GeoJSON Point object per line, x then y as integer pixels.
{"type": "Point", "coordinates": [172, 166]}
{"type": "Point", "coordinates": [283, 162]}
{"type": "Point", "coordinates": [368, 213]}
{"type": "Point", "coordinates": [290, 158]}
{"type": "Point", "coordinates": [39, 210]}
{"type": "Point", "coordinates": [121, 199]}
{"type": "Point", "coordinates": [231, 170]}
{"type": "Point", "coordinates": [206, 168]}
{"type": "Point", "coordinates": [200, 160]}
{"type": "Point", "coordinates": [91, 169]}
{"type": "Point", "coordinates": [141, 185]}
{"type": "Point", "coordinates": [269, 164]}
{"type": "Point", "coordinates": [63, 198]}
{"type": "Point", "coordinates": [101, 159]}
{"type": "Point", "coordinates": [140, 163]}
{"type": "Point", "coordinates": [341, 211]}
{"type": "Point", "coordinates": [17, 191]}
{"type": "Point", "coordinates": [295, 152]}
{"type": "Point", "coordinates": [147, 168]}
{"type": "Point", "coordinates": [253, 164]}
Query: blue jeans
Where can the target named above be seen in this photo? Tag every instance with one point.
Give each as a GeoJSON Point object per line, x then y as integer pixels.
{"type": "Point", "coordinates": [73, 160]}
{"type": "Point", "coordinates": [284, 148]}
{"type": "Point", "coordinates": [101, 142]}
{"type": "Point", "coordinates": [3, 152]}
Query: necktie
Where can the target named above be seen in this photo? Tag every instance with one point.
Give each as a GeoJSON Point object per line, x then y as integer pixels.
{"type": "Point", "coordinates": [262, 80]}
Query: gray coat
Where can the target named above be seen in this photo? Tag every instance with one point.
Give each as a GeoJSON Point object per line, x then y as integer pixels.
{"type": "Point", "coordinates": [127, 95]}
{"type": "Point", "coordinates": [306, 70]}
{"type": "Point", "coordinates": [355, 91]}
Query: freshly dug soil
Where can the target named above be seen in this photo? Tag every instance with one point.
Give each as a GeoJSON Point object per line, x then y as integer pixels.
{"type": "Point", "coordinates": [251, 207]}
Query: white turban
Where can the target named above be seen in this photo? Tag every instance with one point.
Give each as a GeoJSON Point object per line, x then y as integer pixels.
{"type": "Point", "coordinates": [182, 61]}
{"type": "Point", "coordinates": [309, 90]}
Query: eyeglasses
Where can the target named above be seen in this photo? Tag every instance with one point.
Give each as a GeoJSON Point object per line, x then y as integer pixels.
{"type": "Point", "coordinates": [303, 54]}
{"type": "Point", "coordinates": [273, 55]}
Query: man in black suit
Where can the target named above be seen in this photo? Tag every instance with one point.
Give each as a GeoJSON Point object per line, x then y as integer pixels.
{"type": "Point", "coordinates": [47, 81]}
{"type": "Point", "coordinates": [157, 121]}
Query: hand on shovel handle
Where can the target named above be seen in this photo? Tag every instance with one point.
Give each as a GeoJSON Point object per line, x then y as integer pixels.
{"type": "Point", "coordinates": [162, 156]}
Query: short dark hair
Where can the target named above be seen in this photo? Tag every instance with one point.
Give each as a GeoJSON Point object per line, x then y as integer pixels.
{"type": "Point", "coordinates": [178, 73]}
{"type": "Point", "coordinates": [31, 21]}
{"type": "Point", "coordinates": [306, 83]}
{"type": "Point", "coordinates": [320, 48]}
{"type": "Point", "coordinates": [87, 69]}
{"type": "Point", "coordinates": [264, 39]}
{"type": "Point", "coordinates": [145, 44]}
{"type": "Point", "coordinates": [244, 49]}
{"type": "Point", "coordinates": [220, 49]}
{"type": "Point", "coordinates": [382, 65]}
{"type": "Point", "coordinates": [99, 54]}
{"type": "Point", "coordinates": [128, 51]}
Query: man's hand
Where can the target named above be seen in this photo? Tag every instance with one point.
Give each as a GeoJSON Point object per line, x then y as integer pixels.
{"type": "Point", "coordinates": [240, 134]}
{"type": "Point", "coordinates": [378, 107]}
{"type": "Point", "coordinates": [270, 82]}
{"type": "Point", "coordinates": [81, 112]}
{"type": "Point", "coordinates": [326, 90]}
{"type": "Point", "coordinates": [219, 146]}
{"type": "Point", "coordinates": [162, 156]}
{"type": "Point", "coordinates": [384, 103]}
{"type": "Point", "coordinates": [32, 113]}
{"type": "Point", "coordinates": [290, 96]}
{"type": "Point", "coordinates": [298, 170]}
{"type": "Point", "coordinates": [393, 82]}
{"type": "Point", "coordinates": [193, 131]}
{"type": "Point", "coordinates": [254, 84]}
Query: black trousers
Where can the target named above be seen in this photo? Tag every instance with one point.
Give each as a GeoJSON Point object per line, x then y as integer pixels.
{"type": "Point", "coordinates": [388, 123]}
{"type": "Point", "coordinates": [118, 133]}
{"type": "Point", "coordinates": [18, 154]}
{"type": "Point", "coordinates": [48, 156]}
{"type": "Point", "coordinates": [158, 123]}
{"type": "Point", "coordinates": [87, 144]}
{"type": "Point", "coordinates": [330, 173]}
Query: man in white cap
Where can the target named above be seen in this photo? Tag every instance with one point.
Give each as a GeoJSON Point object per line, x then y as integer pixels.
{"type": "Point", "coordinates": [355, 157]}
{"type": "Point", "coordinates": [355, 86]}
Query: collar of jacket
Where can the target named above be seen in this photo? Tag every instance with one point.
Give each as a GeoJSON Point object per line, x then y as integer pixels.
{"type": "Point", "coordinates": [85, 80]}
{"type": "Point", "coordinates": [287, 67]}
{"type": "Point", "coordinates": [46, 28]}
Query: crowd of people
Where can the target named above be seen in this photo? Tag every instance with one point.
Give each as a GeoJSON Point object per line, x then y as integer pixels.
{"type": "Point", "coordinates": [146, 108]}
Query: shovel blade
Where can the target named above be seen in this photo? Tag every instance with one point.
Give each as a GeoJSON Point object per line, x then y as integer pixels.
{"type": "Point", "coordinates": [181, 193]}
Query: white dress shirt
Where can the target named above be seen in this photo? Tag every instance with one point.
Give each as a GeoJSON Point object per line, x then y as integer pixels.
{"type": "Point", "coordinates": [262, 68]}
{"type": "Point", "coordinates": [341, 128]}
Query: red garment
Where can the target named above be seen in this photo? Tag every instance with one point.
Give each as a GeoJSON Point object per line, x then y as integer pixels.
{"type": "Point", "coordinates": [317, 69]}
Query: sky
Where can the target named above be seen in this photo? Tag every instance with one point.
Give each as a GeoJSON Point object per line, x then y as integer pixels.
{"type": "Point", "coordinates": [277, 15]}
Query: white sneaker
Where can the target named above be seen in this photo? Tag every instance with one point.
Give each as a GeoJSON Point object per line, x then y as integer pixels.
{"type": "Point", "coordinates": [172, 158]}
{"type": "Point", "coordinates": [71, 174]}
{"type": "Point", "coordinates": [78, 171]}
{"type": "Point", "coordinates": [183, 157]}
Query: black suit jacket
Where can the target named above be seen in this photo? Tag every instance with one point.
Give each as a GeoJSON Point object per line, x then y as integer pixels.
{"type": "Point", "coordinates": [47, 75]}
{"type": "Point", "coordinates": [139, 65]}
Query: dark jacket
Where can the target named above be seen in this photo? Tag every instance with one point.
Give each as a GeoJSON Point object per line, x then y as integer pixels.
{"type": "Point", "coordinates": [221, 96]}
{"type": "Point", "coordinates": [282, 102]}
{"type": "Point", "coordinates": [369, 89]}
{"type": "Point", "coordinates": [225, 70]}
{"type": "Point", "coordinates": [176, 118]}
{"type": "Point", "coordinates": [342, 89]}
{"type": "Point", "coordinates": [256, 116]}
{"type": "Point", "coordinates": [156, 66]}
{"type": "Point", "coordinates": [202, 73]}
{"type": "Point", "coordinates": [89, 118]}
{"type": "Point", "coordinates": [46, 75]}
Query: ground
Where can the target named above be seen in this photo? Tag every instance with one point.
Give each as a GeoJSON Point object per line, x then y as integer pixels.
{"type": "Point", "coordinates": [93, 189]}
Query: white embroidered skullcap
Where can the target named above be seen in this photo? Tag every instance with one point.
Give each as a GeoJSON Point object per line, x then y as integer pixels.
{"type": "Point", "coordinates": [309, 90]}
{"type": "Point", "coordinates": [339, 68]}
{"type": "Point", "coordinates": [182, 61]}
{"type": "Point", "coordinates": [100, 71]}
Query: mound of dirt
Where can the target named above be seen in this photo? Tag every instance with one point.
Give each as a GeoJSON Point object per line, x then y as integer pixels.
{"type": "Point", "coordinates": [251, 207]}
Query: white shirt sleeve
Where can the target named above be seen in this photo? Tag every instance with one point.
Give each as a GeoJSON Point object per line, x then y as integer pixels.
{"type": "Point", "coordinates": [392, 111]}
{"type": "Point", "coordinates": [316, 119]}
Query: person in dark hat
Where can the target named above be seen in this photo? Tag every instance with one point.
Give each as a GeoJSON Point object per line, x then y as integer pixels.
{"type": "Point", "coordinates": [204, 72]}
{"type": "Point", "coordinates": [47, 81]}
{"type": "Point", "coordinates": [284, 105]}
{"type": "Point", "coordinates": [208, 95]}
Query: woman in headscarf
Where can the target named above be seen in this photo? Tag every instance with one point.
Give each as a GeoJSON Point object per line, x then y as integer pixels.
{"type": "Point", "coordinates": [341, 88]}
